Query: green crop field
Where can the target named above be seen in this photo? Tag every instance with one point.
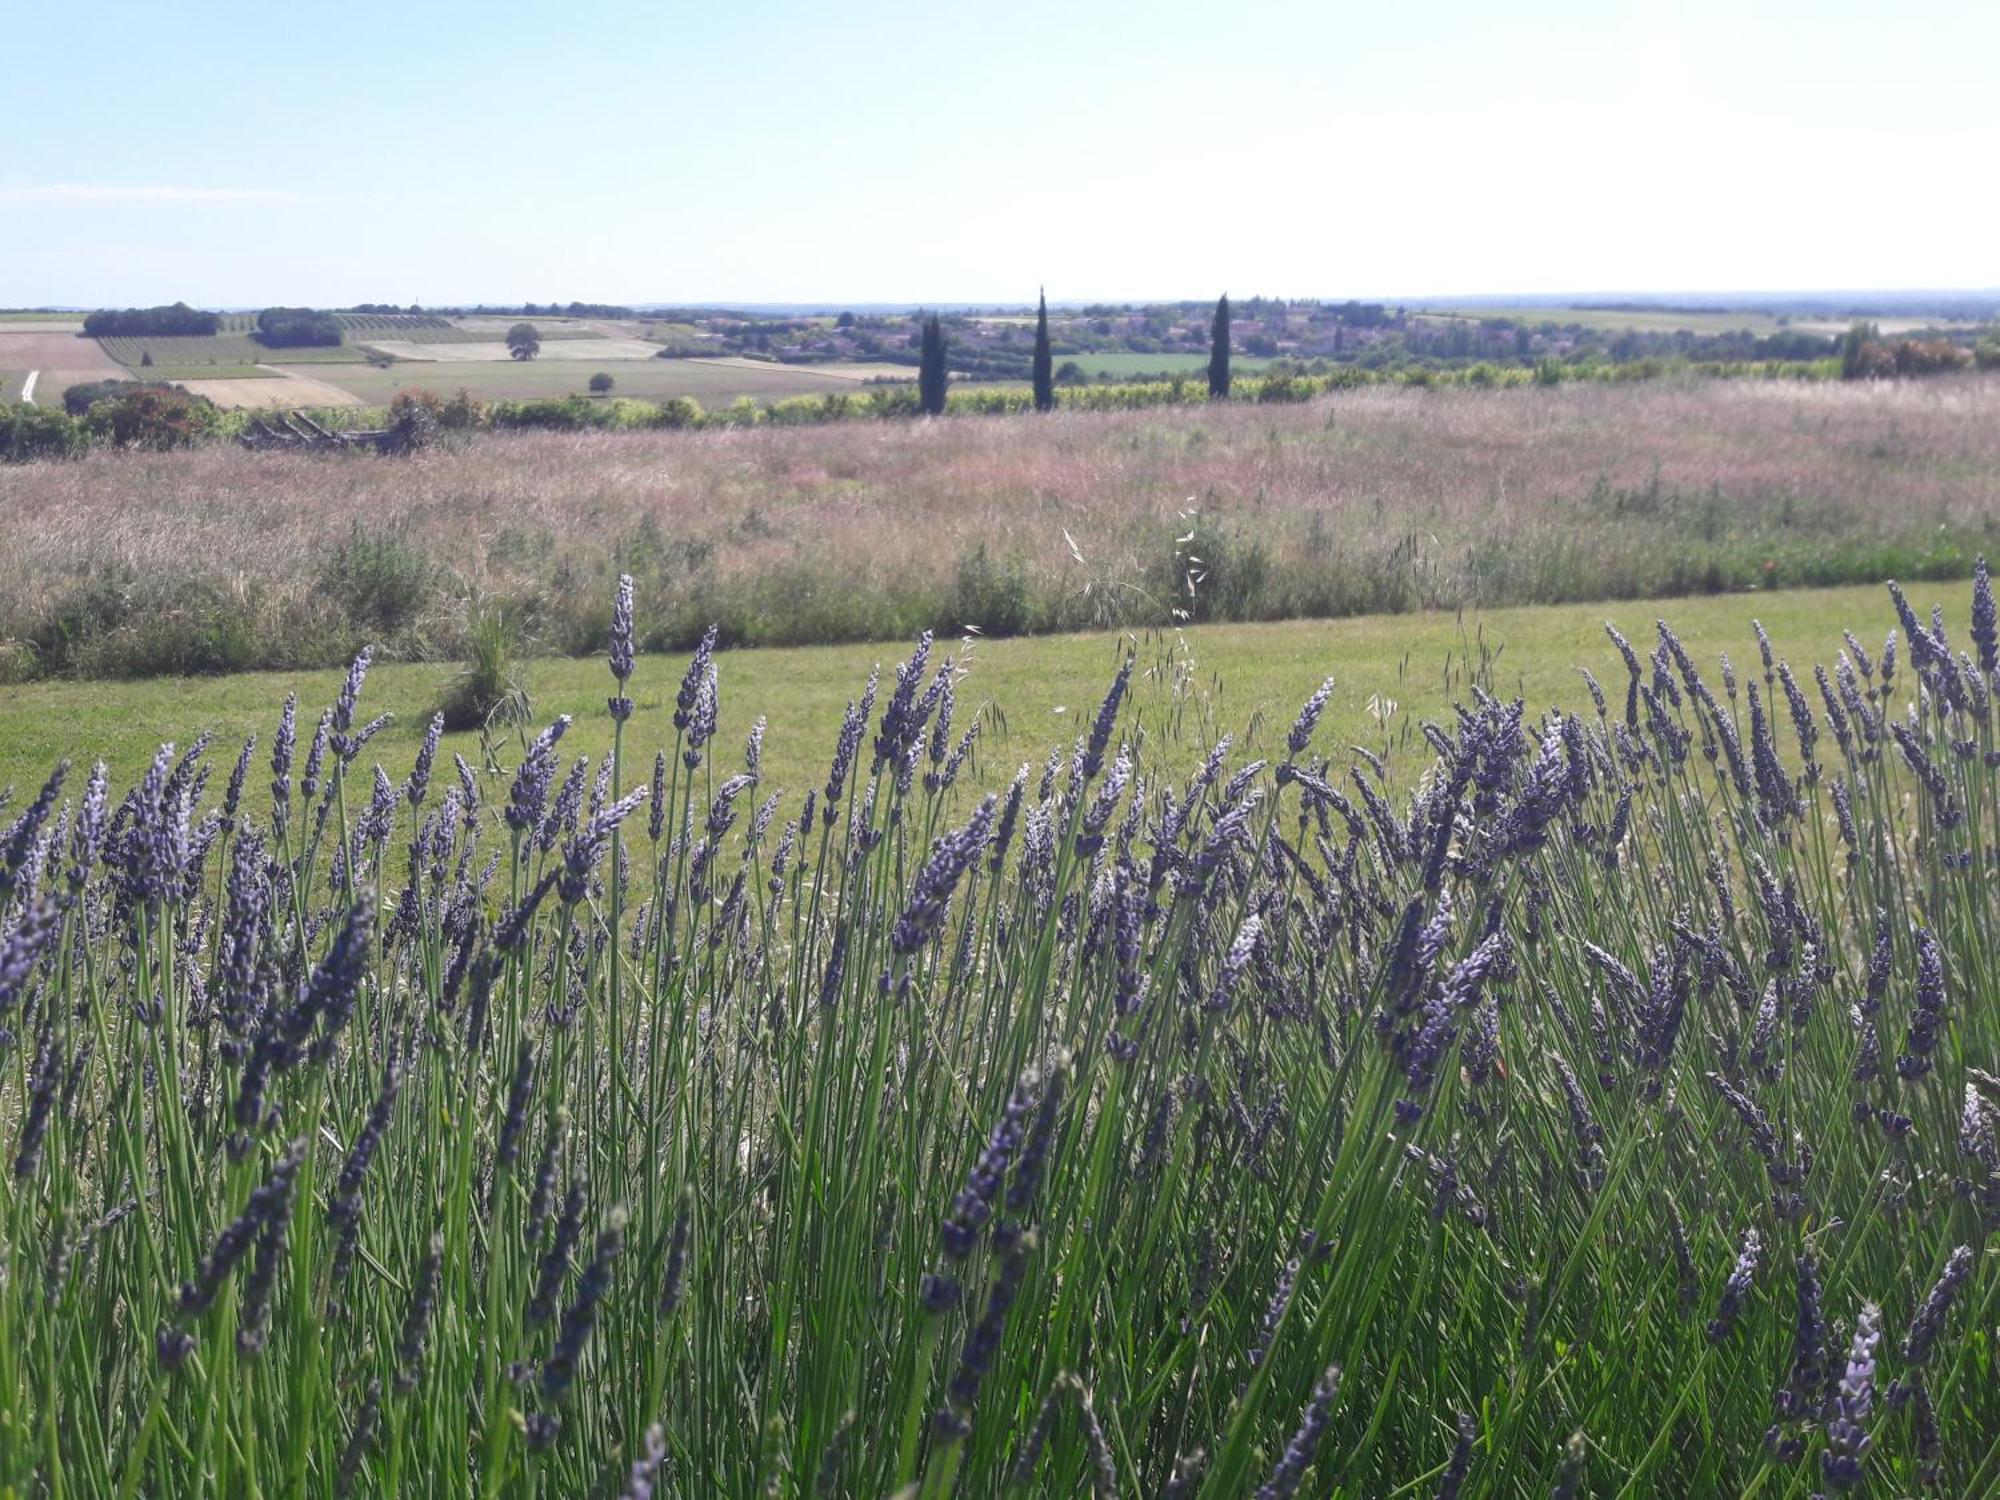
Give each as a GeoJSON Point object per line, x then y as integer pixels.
{"type": "Point", "coordinates": [158, 371]}
{"type": "Point", "coordinates": [710, 383]}
{"type": "Point", "coordinates": [1119, 365]}
{"type": "Point", "coordinates": [1648, 320]}
{"type": "Point", "coordinates": [11, 382]}
{"type": "Point", "coordinates": [239, 348]}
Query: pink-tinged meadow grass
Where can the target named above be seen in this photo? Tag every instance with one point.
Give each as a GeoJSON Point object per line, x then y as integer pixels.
{"type": "Point", "coordinates": [1381, 500]}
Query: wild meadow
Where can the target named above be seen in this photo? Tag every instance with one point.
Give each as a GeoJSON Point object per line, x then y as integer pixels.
{"type": "Point", "coordinates": [1382, 500]}
{"type": "Point", "coordinates": [1617, 1112]}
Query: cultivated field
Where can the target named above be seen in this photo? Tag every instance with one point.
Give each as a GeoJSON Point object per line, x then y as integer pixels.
{"type": "Point", "coordinates": [1641, 320]}
{"type": "Point", "coordinates": [64, 359]}
{"type": "Point", "coordinates": [1596, 1103]}
{"type": "Point", "coordinates": [714, 383]}
{"type": "Point", "coordinates": [220, 349]}
{"type": "Point", "coordinates": [1384, 500]}
{"type": "Point", "coordinates": [268, 389]}
{"type": "Point", "coordinates": [1118, 365]}
{"type": "Point", "coordinates": [554, 350]}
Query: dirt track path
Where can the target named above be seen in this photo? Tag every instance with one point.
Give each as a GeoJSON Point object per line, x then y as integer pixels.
{"type": "Point", "coordinates": [28, 388]}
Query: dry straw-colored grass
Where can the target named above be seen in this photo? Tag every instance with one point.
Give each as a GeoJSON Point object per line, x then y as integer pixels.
{"type": "Point", "coordinates": [1384, 499]}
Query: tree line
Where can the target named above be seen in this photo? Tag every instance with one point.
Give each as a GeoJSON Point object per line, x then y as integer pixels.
{"type": "Point", "coordinates": [934, 377]}
{"type": "Point", "coordinates": [177, 320]}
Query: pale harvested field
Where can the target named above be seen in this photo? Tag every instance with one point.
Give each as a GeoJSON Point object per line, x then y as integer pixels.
{"type": "Point", "coordinates": [711, 382]}
{"type": "Point", "coordinates": [548, 328]}
{"type": "Point", "coordinates": [39, 325]}
{"type": "Point", "coordinates": [63, 358]}
{"type": "Point", "coordinates": [843, 370]}
{"type": "Point", "coordinates": [1888, 327]}
{"type": "Point", "coordinates": [284, 389]}
{"type": "Point", "coordinates": [597, 350]}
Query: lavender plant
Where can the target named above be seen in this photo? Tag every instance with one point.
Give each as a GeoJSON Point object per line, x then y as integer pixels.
{"type": "Point", "coordinates": [576, 1130]}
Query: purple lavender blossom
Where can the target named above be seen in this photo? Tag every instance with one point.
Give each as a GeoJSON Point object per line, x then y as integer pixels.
{"type": "Point", "coordinates": [949, 859]}
{"type": "Point", "coordinates": [581, 853]}
{"type": "Point", "coordinates": [1234, 962]}
{"type": "Point", "coordinates": [1298, 1455]}
{"type": "Point", "coordinates": [1737, 1289]}
{"type": "Point", "coordinates": [1847, 1436]}
{"type": "Point", "coordinates": [529, 796]}
{"type": "Point", "coordinates": [691, 684]}
{"type": "Point", "coordinates": [420, 775]}
{"type": "Point", "coordinates": [622, 656]}
{"type": "Point", "coordinates": [1106, 720]}
{"type": "Point", "coordinates": [1985, 617]}
{"type": "Point", "coordinates": [1929, 1321]}
{"type": "Point", "coordinates": [1308, 720]}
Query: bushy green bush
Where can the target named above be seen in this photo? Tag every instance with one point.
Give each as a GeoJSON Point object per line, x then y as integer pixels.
{"type": "Point", "coordinates": [380, 581]}
{"type": "Point", "coordinates": [79, 398]}
{"type": "Point", "coordinates": [152, 417]}
{"type": "Point", "coordinates": [990, 596]}
{"type": "Point", "coordinates": [680, 411]}
{"type": "Point", "coordinates": [552, 413]}
{"type": "Point", "coordinates": [32, 432]}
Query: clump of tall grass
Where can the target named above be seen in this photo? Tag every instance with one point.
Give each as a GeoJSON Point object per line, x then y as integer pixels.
{"type": "Point", "coordinates": [1616, 1114]}
{"type": "Point", "coordinates": [485, 692]}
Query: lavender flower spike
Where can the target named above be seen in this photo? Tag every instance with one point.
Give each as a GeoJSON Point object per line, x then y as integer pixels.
{"type": "Point", "coordinates": [1308, 720]}
{"type": "Point", "coordinates": [1737, 1288]}
{"type": "Point", "coordinates": [949, 859]}
{"type": "Point", "coordinates": [1929, 1321]}
{"type": "Point", "coordinates": [1291, 1470]}
{"type": "Point", "coordinates": [1846, 1433]}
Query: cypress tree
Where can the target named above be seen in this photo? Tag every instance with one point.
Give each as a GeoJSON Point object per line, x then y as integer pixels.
{"type": "Point", "coordinates": [1218, 352]}
{"type": "Point", "coordinates": [1045, 377]}
{"type": "Point", "coordinates": [931, 372]}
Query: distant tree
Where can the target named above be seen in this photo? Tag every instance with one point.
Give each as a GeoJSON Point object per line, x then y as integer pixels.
{"type": "Point", "coordinates": [931, 375]}
{"type": "Point", "coordinates": [600, 384]}
{"type": "Point", "coordinates": [179, 320]}
{"type": "Point", "coordinates": [523, 342]}
{"type": "Point", "coordinates": [845, 320]}
{"type": "Point", "coordinates": [297, 328]}
{"type": "Point", "coordinates": [1854, 349]}
{"type": "Point", "coordinates": [1071, 373]}
{"type": "Point", "coordinates": [1218, 351]}
{"type": "Point", "coordinates": [1045, 380]}
{"type": "Point", "coordinates": [146, 358]}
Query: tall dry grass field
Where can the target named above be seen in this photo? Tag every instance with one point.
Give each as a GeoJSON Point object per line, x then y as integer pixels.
{"type": "Point", "coordinates": [1380, 500]}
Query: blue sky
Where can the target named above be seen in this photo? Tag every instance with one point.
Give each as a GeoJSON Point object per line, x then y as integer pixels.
{"type": "Point", "coordinates": [876, 150]}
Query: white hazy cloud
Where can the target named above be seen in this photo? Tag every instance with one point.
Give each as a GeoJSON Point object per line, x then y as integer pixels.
{"type": "Point", "coordinates": [90, 192]}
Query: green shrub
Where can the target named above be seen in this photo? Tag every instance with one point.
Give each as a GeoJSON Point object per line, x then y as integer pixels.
{"type": "Point", "coordinates": [32, 432]}
{"type": "Point", "coordinates": [78, 399]}
{"type": "Point", "coordinates": [989, 596]}
{"type": "Point", "coordinates": [381, 582]}
{"type": "Point", "coordinates": [151, 417]}
{"type": "Point", "coordinates": [680, 411]}
{"type": "Point", "coordinates": [1213, 574]}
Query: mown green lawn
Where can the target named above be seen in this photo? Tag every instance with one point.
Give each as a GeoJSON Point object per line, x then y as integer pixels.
{"type": "Point", "coordinates": [1392, 672]}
